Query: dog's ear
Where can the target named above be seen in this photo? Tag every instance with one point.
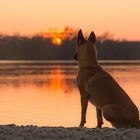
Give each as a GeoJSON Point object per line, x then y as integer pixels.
{"type": "Point", "coordinates": [80, 38]}
{"type": "Point", "coordinates": [92, 37]}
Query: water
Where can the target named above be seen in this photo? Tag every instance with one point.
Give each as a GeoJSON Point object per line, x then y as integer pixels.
{"type": "Point", "coordinates": [45, 93]}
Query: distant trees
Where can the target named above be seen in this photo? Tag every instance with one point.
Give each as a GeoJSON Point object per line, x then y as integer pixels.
{"type": "Point", "coordinates": [39, 48]}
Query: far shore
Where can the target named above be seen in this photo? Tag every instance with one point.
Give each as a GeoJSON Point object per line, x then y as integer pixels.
{"type": "Point", "coordinates": [69, 62]}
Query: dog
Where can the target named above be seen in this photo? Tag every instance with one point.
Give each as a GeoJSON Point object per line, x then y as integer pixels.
{"type": "Point", "coordinates": [100, 88]}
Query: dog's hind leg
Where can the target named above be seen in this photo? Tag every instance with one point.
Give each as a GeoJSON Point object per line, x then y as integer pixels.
{"type": "Point", "coordinates": [116, 115]}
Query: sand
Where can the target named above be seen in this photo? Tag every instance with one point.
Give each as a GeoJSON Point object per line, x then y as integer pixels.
{"type": "Point", "coordinates": [13, 132]}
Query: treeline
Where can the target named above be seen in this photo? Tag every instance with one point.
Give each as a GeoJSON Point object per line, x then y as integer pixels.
{"type": "Point", "coordinates": [39, 48]}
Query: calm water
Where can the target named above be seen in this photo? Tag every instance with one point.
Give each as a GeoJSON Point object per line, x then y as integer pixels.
{"type": "Point", "coordinates": [45, 93]}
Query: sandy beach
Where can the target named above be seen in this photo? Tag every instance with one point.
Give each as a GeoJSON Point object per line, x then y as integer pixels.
{"type": "Point", "coordinates": [13, 132]}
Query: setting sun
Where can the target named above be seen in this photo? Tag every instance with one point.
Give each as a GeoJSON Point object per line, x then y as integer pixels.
{"type": "Point", "coordinates": [57, 41]}
{"type": "Point", "coordinates": [58, 35]}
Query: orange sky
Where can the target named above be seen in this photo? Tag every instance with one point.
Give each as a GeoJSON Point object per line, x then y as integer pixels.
{"type": "Point", "coordinates": [120, 17]}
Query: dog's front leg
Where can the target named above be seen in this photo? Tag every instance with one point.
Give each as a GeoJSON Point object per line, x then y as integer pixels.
{"type": "Point", "coordinates": [84, 104]}
{"type": "Point", "coordinates": [99, 117]}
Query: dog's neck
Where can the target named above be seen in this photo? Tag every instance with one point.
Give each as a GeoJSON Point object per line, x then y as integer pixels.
{"type": "Point", "coordinates": [88, 62]}
{"type": "Point", "coordinates": [93, 68]}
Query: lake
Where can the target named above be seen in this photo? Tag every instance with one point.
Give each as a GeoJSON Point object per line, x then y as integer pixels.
{"type": "Point", "coordinates": [44, 93]}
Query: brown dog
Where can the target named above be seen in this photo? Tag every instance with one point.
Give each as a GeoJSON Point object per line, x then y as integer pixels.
{"type": "Point", "coordinates": [98, 87]}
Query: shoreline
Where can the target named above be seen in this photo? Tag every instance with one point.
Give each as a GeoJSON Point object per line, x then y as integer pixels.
{"type": "Point", "coordinates": [13, 132]}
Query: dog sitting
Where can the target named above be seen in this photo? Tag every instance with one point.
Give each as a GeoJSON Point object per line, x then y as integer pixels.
{"type": "Point", "coordinates": [99, 87]}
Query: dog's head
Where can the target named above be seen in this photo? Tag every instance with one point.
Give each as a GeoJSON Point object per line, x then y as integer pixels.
{"type": "Point", "coordinates": [86, 53]}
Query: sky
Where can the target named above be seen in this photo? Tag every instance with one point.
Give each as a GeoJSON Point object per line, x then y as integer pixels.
{"type": "Point", "coordinates": [118, 17]}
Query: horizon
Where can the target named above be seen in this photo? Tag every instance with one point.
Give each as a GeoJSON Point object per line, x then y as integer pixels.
{"type": "Point", "coordinates": [120, 18]}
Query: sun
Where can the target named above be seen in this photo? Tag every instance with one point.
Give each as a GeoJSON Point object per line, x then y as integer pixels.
{"type": "Point", "coordinates": [57, 41]}
{"type": "Point", "coordinates": [57, 36]}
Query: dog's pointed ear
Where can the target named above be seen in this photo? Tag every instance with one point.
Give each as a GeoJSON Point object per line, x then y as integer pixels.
{"type": "Point", "coordinates": [92, 37]}
{"type": "Point", "coordinates": [80, 38]}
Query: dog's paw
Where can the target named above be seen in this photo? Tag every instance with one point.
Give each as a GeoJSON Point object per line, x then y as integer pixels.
{"type": "Point", "coordinates": [99, 126]}
{"type": "Point", "coordinates": [81, 125]}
